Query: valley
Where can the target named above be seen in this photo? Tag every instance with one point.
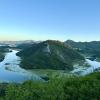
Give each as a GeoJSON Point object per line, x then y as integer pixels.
{"type": "Point", "coordinates": [11, 65]}
{"type": "Point", "coordinates": [48, 70]}
{"type": "Point", "coordinates": [49, 49]}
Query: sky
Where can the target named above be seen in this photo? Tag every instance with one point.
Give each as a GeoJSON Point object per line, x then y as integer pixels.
{"type": "Point", "coordinates": [78, 20]}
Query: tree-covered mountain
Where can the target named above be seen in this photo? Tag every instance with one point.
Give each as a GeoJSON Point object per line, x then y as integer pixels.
{"type": "Point", "coordinates": [49, 55]}
{"type": "Point", "coordinates": [92, 48]}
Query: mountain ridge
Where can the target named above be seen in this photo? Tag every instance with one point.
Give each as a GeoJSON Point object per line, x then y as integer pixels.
{"type": "Point", "coordinates": [49, 54]}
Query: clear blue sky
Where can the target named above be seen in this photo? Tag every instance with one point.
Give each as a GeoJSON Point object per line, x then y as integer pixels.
{"type": "Point", "coordinates": [50, 19]}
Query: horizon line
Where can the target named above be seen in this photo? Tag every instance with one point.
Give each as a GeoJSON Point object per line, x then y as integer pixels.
{"type": "Point", "coordinates": [48, 39]}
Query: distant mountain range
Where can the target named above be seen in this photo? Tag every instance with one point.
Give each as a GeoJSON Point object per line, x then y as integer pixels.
{"type": "Point", "coordinates": [49, 55]}
{"type": "Point", "coordinates": [17, 43]}
{"type": "Point", "coordinates": [91, 48]}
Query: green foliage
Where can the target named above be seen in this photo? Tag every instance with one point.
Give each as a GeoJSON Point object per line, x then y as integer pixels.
{"type": "Point", "coordinates": [59, 56]}
{"type": "Point", "coordinates": [72, 88]}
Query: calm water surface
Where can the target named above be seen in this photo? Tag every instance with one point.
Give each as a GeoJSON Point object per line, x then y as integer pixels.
{"type": "Point", "coordinates": [10, 71]}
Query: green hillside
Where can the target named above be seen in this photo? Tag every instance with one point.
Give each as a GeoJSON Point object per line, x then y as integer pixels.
{"type": "Point", "coordinates": [49, 55]}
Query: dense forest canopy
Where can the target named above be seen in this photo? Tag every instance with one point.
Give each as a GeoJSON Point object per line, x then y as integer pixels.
{"type": "Point", "coordinates": [49, 55]}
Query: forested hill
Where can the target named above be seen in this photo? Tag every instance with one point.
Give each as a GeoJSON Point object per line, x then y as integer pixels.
{"type": "Point", "coordinates": [92, 48]}
{"type": "Point", "coordinates": [49, 55]}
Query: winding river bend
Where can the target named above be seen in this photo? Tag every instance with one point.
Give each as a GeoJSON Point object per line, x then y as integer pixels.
{"type": "Point", "coordinates": [10, 71]}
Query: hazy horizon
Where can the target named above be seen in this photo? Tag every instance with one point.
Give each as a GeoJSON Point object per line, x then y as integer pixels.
{"type": "Point", "coordinates": [77, 20]}
{"type": "Point", "coordinates": [46, 40]}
